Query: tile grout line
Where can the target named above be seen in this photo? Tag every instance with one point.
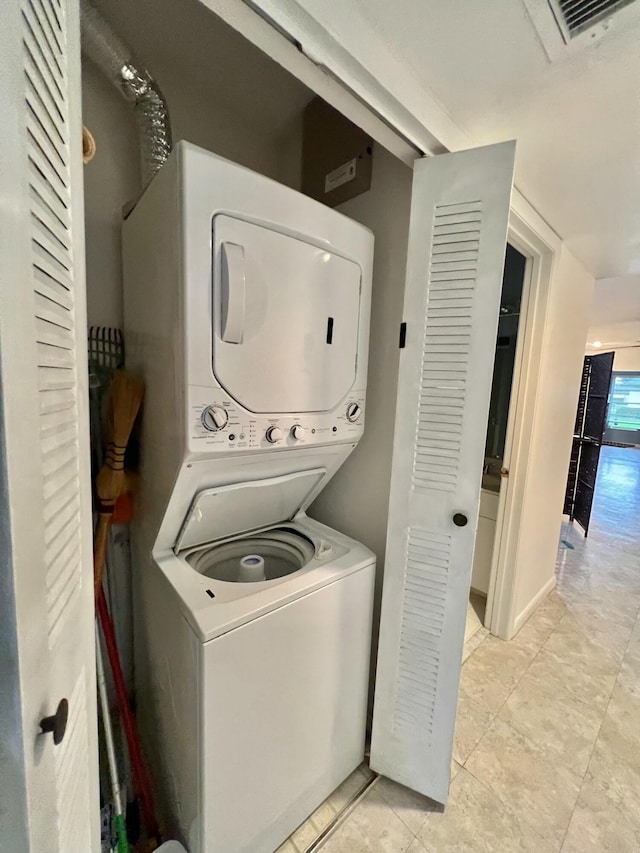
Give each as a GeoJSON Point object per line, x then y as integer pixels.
{"type": "Point", "coordinates": [506, 806]}
{"type": "Point", "coordinates": [497, 713]}
{"type": "Point", "coordinates": [342, 816]}
{"type": "Point", "coordinates": [526, 739]}
{"type": "Point", "coordinates": [595, 743]}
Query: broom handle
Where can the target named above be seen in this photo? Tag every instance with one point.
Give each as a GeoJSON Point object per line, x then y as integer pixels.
{"type": "Point", "coordinates": [143, 787]}
{"type": "Point", "coordinates": [100, 541]}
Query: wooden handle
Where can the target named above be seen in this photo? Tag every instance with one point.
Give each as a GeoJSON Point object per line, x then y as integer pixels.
{"type": "Point", "coordinates": [100, 541]}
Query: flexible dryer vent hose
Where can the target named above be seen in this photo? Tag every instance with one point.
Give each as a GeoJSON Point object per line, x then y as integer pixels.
{"type": "Point", "coordinates": [113, 57]}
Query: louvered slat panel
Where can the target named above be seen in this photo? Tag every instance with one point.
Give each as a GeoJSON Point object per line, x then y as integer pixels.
{"type": "Point", "coordinates": [51, 289]}
{"type": "Point", "coordinates": [60, 459]}
{"type": "Point", "coordinates": [41, 83]}
{"type": "Point", "coordinates": [57, 201]}
{"type": "Point", "coordinates": [54, 227]}
{"type": "Point", "coordinates": [55, 521]}
{"type": "Point", "coordinates": [47, 264]}
{"type": "Point", "coordinates": [47, 126]}
{"type": "Point", "coordinates": [59, 607]}
{"type": "Point", "coordinates": [53, 25]}
{"type": "Point", "coordinates": [39, 96]}
{"type": "Point", "coordinates": [49, 356]}
{"type": "Point", "coordinates": [41, 52]}
{"type": "Point", "coordinates": [51, 311]}
{"type": "Point", "coordinates": [58, 578]}
{"type": "Point", "coordinates": [45, 131]}
{"type": "Point", "coordinates": [58, 401]}
{"type": "Point", "coordinates": [39, 27]}
{"type": "Point", "coordinates": [54, 379]}
{"type": "Point", "coordinates": [59, 550]}
{"type": "Point", "coordinates": [55, 529]}
{"type": "Point", "coordinates": [44, 333]}
{"type": "Point", "coordinates": [448, 350]}
{"type": "Point", "coordinates": [53, 334]}
{"type": "Point", "coordinates": [423, 605]}
{"type": "Point", "coordinates": [66, 547]}
{"type": "Point", "coordinates": [45, 155]}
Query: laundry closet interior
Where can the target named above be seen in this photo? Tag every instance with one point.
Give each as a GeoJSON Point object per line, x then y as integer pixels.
{"type": "Point", "coordinates": [226, 97]}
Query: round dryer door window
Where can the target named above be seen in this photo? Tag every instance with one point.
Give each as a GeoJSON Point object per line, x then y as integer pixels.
{"type": "Point", "coordinates": [262, 557]}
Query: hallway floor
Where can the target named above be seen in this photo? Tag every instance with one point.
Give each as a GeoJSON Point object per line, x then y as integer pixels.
{"type": "Point", "coordinates": [547, 748]}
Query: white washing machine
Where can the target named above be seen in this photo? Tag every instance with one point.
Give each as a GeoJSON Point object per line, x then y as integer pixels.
{"type": "Point", "coordinates": [247, 310]}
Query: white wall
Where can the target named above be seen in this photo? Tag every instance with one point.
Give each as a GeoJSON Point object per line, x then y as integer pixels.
{"type": "Point", "coordinates": [112, 178]}
{"type": "Point", "coordinates": [565, 331]}
{"type": "Point", "coordinates": [357, 498]}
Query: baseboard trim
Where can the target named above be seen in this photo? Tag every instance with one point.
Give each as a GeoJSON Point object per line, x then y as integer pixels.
{"type": "Point", "coordinates": [522, 617]}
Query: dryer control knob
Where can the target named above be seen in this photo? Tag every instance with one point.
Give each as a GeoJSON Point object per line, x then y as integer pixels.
{"type": "Point", "coordinates": [354, 411]}
{"type": "Point", "coordinates": [297, 432]}
{"type": "Point", "coordinates": [214, 418]}
{"type": "Point", "coordinates": [274, 434]}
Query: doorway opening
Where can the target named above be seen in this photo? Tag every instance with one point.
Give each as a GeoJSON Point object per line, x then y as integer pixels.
{"type": "Point", "coordinates": [622, 423]}
{"type": "Point", "coordinates": [588, 435]}
{"type": "Point", "coordinates": [511, 302]}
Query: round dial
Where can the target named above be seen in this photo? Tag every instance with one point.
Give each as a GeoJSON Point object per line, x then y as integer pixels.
{"type": "Point", "coordinates": [297, 432]}
{"type": "Point", "coordinates": [274, 434]}
{"type": "Point", "coordinates": [354, 410]}
{"type": "Point", "coordinates": [214, 418]}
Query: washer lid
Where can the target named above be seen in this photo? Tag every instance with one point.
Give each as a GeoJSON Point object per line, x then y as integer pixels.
{"type": "Point", "coordinates": [227, 510]}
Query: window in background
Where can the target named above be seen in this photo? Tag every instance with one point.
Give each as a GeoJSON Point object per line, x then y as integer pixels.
{"type": "Point", "coordinates": [624, 402]}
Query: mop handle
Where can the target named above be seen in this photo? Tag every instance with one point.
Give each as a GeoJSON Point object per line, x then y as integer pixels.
{"type": "Point", "coordinates": [143, 787]}
{"type": "Point", "coordinates": [118, 821]}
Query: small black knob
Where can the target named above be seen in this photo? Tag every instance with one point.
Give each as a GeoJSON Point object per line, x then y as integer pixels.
{"type": "Point", "coordinates": [460, 520]}
{"type": "Point", "coordinates": [58, 722]}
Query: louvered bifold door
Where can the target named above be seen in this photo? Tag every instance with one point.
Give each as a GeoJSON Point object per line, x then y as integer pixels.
{"type": "Point", "coordinates": [48, 791]}
{"type": "Point", "coordinates": [457, 242]}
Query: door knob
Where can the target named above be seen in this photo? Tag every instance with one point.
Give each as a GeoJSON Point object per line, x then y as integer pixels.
{"type": "Point", "coordinates": [459, 519]}
{"type": "Point", "coordinates": [57, 723]}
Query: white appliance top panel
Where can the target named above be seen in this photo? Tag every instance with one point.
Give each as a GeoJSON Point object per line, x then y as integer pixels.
{"type": "Point", "coordinates": [214, 607]}
{"type": "Point", "coordinates": [285, 319]}
{"type": "Point", "coordinates": [231, 509]}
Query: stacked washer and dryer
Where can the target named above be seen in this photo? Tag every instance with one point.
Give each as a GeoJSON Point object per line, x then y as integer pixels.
{"type": "Point", "coordinates": [247, 312]}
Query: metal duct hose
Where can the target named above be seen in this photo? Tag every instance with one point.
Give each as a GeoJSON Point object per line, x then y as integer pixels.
{"type": "Point", "coordinates": [113, 57]}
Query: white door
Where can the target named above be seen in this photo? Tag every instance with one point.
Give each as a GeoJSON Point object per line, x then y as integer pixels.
{"type": "Point", "coordinates": [457, 243]}
{"type": "Point", "coordinates": [48, 791]}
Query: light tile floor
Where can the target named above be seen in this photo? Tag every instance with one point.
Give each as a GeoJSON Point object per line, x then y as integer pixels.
{"type": "Point", "coordinates": [547, 747]}
{"type": "Point", "coordinates": [475, 614]}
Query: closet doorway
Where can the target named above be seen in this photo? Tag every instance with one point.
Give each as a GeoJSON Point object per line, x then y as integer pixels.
{"type": "Point", "coordinates": [494, 471]}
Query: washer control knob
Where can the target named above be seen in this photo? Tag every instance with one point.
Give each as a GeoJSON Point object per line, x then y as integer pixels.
{"type": "Point", "coordinates": [274, 434]}
{"type": "Point", "coordinates": [297, 432]}
{"type": "Point", "coordinates": [214, 418]}
{"type": "Point", "coordinates": [354, 410]}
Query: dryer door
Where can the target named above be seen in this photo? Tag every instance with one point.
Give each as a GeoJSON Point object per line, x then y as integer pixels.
{"type": "Point", "coordinates": [285, 319]}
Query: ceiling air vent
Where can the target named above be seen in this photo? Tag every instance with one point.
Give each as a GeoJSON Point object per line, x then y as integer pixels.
{"type": "Point", "coordinates": [576, 16]}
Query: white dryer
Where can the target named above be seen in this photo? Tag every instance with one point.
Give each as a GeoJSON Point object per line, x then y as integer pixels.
{"type": "Point", "coordinates": [247, 310]}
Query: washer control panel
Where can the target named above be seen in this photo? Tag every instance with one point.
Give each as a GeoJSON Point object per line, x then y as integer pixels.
{"type": "Point", "coordinates": [218, 424]}
{"type": "Point", "coordinates": [214, 418]}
